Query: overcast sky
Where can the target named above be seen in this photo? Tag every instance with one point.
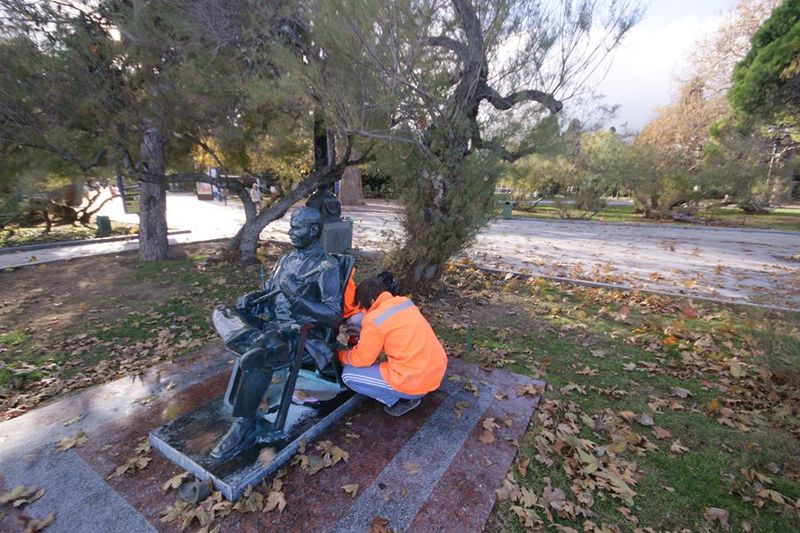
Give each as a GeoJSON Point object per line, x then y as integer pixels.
{"type": "Point", "coordinates": [652, 55]}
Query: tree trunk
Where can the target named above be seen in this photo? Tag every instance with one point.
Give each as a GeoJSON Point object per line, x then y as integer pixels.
{"type": "Point", "coordinates": [153, 243]}
{"type": "Point", "coordinates": [245, 242]}
{"type": "Point", "coordinates": [451, 216]}
{"type": "Point", "coordinates": [350, 190]}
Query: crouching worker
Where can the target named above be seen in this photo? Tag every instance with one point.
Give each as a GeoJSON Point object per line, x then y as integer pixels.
{"type": "Point", "coordinates": [415, 359]}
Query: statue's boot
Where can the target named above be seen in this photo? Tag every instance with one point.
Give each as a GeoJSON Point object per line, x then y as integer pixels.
{"type": "Point", "coordinates": [242, 434]}
{"type": "Point", "coordinates": [247, 396]}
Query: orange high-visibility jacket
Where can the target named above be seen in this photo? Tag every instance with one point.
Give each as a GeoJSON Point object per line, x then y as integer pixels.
{"type": "Point", "coordinates": [415, 359]}
{"type": "Point", "coordinates": [350, 305]}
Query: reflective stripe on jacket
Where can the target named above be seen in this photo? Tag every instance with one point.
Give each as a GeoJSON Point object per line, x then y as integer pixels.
{"type": "Point", "coordinates": [415, 359]}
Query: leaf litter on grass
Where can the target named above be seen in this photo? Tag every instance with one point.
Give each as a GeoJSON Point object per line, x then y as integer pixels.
{"type": "Point", "coordinates": [702, 347]}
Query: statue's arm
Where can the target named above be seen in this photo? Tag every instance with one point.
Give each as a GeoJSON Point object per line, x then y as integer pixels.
{"type": "Point", "coordinates": [328, 310]}
{"type": "Point", "coordinates": [272, 279]}
{"type": "Point", "coordinates": [245, 302]}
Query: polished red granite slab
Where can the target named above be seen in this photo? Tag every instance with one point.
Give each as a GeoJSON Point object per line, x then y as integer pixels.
{"type": "Point", "coordinates": [426, 471]}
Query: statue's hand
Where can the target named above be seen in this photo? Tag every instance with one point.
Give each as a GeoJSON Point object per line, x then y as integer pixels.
{"type": "Point", "coordinates": [290, 286]}
{"type": "Point", "coordinates": [245, 302]}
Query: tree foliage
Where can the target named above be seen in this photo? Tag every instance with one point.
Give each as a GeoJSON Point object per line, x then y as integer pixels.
{"type": "Point", "coordinates": [456, 88]}
{"type": "Point", "coordinates": [767, 81]}
{"type": "Point", "coordinates": [162, 90]}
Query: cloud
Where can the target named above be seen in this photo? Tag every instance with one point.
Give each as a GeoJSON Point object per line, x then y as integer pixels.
{"type": "Point", "coordinates": [648, 63]}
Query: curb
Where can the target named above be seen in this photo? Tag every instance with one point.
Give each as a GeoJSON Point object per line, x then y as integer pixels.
{"type": "Point", "coordinates": [675, 225]}
{"type": "Point", "coordinates": [625, 288]}
{"type": "Point", "coordinates": [60, 244]}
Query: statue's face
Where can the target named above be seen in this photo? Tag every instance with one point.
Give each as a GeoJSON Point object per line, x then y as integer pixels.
{"type": "Point", "coordinates": [302, 232]}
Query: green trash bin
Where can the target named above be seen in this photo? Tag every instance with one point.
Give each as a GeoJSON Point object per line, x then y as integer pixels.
{"type": "Point", "coordinates": [507, 206]}
{"type": "Point", "coordinates": [103, 226]}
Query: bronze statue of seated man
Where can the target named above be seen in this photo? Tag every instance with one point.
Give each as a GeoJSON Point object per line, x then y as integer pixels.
{"type": "Point", "coordinates": [304, 288]}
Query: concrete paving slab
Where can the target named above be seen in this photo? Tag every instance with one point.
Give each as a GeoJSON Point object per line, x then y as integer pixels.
{"type": "Point", "coordinates": [426, 471]}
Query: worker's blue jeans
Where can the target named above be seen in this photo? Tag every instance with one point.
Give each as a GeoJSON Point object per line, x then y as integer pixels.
{"type": "Point", "coordinates": [368, 381]}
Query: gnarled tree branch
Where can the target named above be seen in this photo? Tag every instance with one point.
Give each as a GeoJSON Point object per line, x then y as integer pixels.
{"type": "Point", "coordinates": [504, 103]}
{"type": "Point", "coordinates": [449, 43]}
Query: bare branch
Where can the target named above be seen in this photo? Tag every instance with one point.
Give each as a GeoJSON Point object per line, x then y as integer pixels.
{"type": "Point", "coordinates": [451, 44]}
{"type": "Point", "coordinates": [504, 103]}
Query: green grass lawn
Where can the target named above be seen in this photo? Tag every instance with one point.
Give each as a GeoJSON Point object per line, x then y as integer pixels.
{"type": "Point", "coordinates": [694, 406]}
{"type": "Point", "coordinates": [659, 412]}
{"type": "Point", "coordinates": [785, 219]}
{"type": "Point", "coordinates": [21, 236]}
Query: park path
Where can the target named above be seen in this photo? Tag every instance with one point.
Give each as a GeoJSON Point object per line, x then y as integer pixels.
{"type": "Point", "coordinates": [739, 265]}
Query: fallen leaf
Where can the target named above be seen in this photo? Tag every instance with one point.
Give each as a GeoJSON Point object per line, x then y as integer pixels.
{"type": "Point", "coordinates": [351, 489]}
{"type": "Point", "coordinates": [661, 433]}
{"type": "Point", "coordinates": [487, 437]}
{"type": "Point", "coordinates": [174, 482]}
{"type": "Point", "coordinates": [266, 455]}
{"type": "Point", "coordinates": [680, 392]}
{"type": "Point", "coordinates": [509, 490]}
{"type": "Point", "coordinates": [713, 406]}
{"type": "Point", "coordinates": [338, 454]}
{"type": "Point", "coordinates": [489, 424]}
{"type": "Point", "coordinates": [528, 516]}
{"type": "Point", "coordinates": [627, 415]}
{"type": "Point", "coordinates": [173, 512]}
{"type": "Point", "coordinates": [21, 496]}
{"type": "Point", "coordinates": [532, 390]}
{"type": "Point", "coordinates": [68, 442]}
{"type": "Point", "coordinates": [522, 466]}
{"type": "Point", "coordinates": [624, 511]}
{"type": "Point", "coordinates": [713, 514]}
{"type": "Point", "coordinates": [314, 463]}
{"type": "Point", "coordinates": [73, 420]}
{"type": "Point", "coordinates": [677, 447]}
{"type": "Point", "coordinates": [379, 525]}
{"type": "Point", "coordinates": [411, 467]}
{"type": "Point", "coordinates": [38, 524]}
{"type": "Point", "coordinates": [275, 500]}
{"type": "Point", "coordinates": [644, 419]}
{"type": "Point", "coordinates": [773, 495]}
{"type": "Point", "coordinates": [554, 496]}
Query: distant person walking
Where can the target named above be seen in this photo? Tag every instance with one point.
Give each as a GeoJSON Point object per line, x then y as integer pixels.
{"type": "Point", "coordinates": [255, 195]}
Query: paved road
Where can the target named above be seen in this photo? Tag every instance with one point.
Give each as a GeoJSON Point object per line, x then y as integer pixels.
{"type": "Point", "coordinates": [753, 266]}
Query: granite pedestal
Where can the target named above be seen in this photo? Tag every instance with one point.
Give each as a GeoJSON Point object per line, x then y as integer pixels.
{"type": "Point", "coordinates": [188, 441]}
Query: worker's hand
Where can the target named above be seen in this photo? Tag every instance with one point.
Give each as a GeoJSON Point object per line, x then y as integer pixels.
{"type": "Point", "coordinates": [290, 286]}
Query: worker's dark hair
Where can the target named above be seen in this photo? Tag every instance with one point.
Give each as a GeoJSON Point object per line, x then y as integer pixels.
{"type": "Point", "coordinates": [368, 291]}
{"type": "Point", "coordinates": [389, 281]}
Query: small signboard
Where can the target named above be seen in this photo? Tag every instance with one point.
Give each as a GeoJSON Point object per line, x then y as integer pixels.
{"type": "Point", "coordinates": [204, 191]}
{"type": "Point", "coordinates": [129, 191]}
